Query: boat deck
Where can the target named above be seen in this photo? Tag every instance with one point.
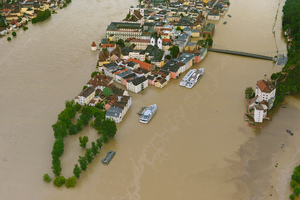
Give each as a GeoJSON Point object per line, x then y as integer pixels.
{"type": "Point", "coordinates": [108, 157]}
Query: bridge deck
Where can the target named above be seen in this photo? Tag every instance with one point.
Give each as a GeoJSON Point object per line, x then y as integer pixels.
{"type": "Point", "coordinates": [239, 53]}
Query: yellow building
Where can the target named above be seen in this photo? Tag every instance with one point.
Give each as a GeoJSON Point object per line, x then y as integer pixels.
{"type": "Point", "coordinates": [85, 96]}
{"type": "Point", "coordinates": [12, 17]}
{"type": "Point", "coordinates": [190, 46]}
{"type": "Point", "coordinates": [161, 83]}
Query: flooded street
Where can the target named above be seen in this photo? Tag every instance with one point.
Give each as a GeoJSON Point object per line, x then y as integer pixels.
{"type": "Point", "coordinates": [197, 146]}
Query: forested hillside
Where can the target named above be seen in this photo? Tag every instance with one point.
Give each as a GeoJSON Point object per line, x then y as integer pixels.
{"type": "Point", "coordinates": [288, 80]}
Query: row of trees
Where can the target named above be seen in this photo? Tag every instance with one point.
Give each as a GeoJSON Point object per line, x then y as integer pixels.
{"type": "Point", "coordinates": [288, 80]}
{"type": "Point", "coordinates": [295, 182]}
{"type": "Point", "coordinates": [61, 128]}
{"type": "Point", "coordinates": [64, 127]}
{"type": "Point", "coordinates": [42, 16]}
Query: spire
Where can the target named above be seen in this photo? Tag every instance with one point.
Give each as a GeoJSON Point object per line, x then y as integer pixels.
{"type": "Point", "coordinates": [152, 40]}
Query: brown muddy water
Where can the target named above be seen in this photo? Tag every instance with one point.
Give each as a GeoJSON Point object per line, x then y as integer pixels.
{"type": "Point", "coordinates": [196, 147]}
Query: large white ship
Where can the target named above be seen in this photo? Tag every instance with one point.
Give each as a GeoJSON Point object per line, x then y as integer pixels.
{"type": "Point", "coordinates": [194, 78]}
{"type": "Point", "coordinates": [148, 114]}
{"type": "Point", "coordinates": [186, 77]}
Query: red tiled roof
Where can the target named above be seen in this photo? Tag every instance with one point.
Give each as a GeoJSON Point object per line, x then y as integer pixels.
{"type": "Point", "coordinates": [265, 86]}
{"type": "Point", "coordinates": [107, 45]}
{"type": "Point", "coordinates": [100, 80]}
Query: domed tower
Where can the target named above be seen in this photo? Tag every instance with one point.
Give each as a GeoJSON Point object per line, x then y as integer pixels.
{"type": "Point", "coordinates": [159, 42]}
{"type": "Point", "coordinates": [131, 10]}
{"type": "Point", "coordinates": [142, 12]}
{"type": "Point", "coordinates": [152, 40]}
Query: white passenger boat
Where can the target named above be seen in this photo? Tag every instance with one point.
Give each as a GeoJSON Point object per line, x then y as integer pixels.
{"type": "Point", "coordinates": [186, 77]}
{"type": "Point", "coordinates": [148, 114]}
{"type": "Point", "coordinates": [194, 78]}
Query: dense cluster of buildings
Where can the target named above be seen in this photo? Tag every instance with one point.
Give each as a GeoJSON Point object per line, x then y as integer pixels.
{"type": "Point", "coordinates": [137, 51]}
{"type": "Point", "coordinates": [18, 12]}
{"type": "Point", "coordinates": [148, 32]}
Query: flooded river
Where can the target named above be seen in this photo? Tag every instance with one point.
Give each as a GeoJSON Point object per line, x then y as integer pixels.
{"type": "Point", "coordinates": [196, 147]}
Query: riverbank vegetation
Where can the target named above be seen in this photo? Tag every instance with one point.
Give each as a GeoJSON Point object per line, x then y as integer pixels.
{"type": "Point", "coordinates": [65, 126]}
{"type": "Point", "coordinates": [288, 79]}
{"type": "Point", "coordinates": [42, 16]}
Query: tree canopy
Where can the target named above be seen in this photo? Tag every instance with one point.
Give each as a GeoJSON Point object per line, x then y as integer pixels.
{"type": "Point", "coordinates": [174, 50]}
{"type": "Point", "coordinates": [249, 93]}
{"type": "Point", "coordinates": [42, 16]}
{"type": "Point", "coordinates": [210, 41]}
{"type": "Point", "coordinates": [121, 43]}
{"type": "Point", "coordinates": [107, 91]}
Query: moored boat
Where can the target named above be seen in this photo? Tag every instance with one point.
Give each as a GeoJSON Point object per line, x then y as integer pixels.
{"type": "Point", "coordinates": [186, 77]}
{"type": "Point", "coordinates": [148, 114]}
{"type": "Point", "coordinates": [108, 157]}
{"type": "Point", "coordinates": [194, 78]}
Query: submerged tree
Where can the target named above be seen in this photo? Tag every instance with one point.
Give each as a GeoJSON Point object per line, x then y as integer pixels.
{"type": "Point", "coordinates": [83, 162]}
{"type": "Point", "coordinates": [83, 140]}
{"type": "Point", "coordinates": [47, 178]}
{"type": "Point", "coordinates": [59, 181]}
{"type": "Point", "coordinates": [249, 93]}
{"type": "Point", "coordinates": [77, 171]}
{"type": "Point", "coordinates": [89, 155]}
{"type": "Point", "coordinates": [71, 182]}
{"type": "Point", "coordinates": [95, 148]}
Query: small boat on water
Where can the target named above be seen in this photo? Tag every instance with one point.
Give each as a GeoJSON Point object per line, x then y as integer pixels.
{"type": "Point", "coordinates": [225, 22]}
{"type": "Point", "coordinates": [229, 15]}
{"type": "Point", "coordinates": [108, 157]}
{"type": "Point", "coordinates": [148, 114]}
{"type": "Point", "coordinates": [289, 131]}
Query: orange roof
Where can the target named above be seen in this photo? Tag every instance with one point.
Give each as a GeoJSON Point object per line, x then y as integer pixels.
{"type": "Point", "coordinates": [94, 44]}
{"type": "Point", "coordinates": [166, 40]}
{"type": "Point", "coordinates": [265, 86]}
{"type": "Point", "coordinates": [118, 72]}
{"type": "Point", "coordinates": [107, 45]}
{"type": "Point", "coordinates": [143, 65]}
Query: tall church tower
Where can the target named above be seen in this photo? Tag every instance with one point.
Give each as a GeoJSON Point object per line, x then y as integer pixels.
{"type": "Point", "coordinates": [131, 10]}
{"type": "Point", "coordinates": [152, 40]}
{"type": "Point", "coordinates": [159, 42]}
